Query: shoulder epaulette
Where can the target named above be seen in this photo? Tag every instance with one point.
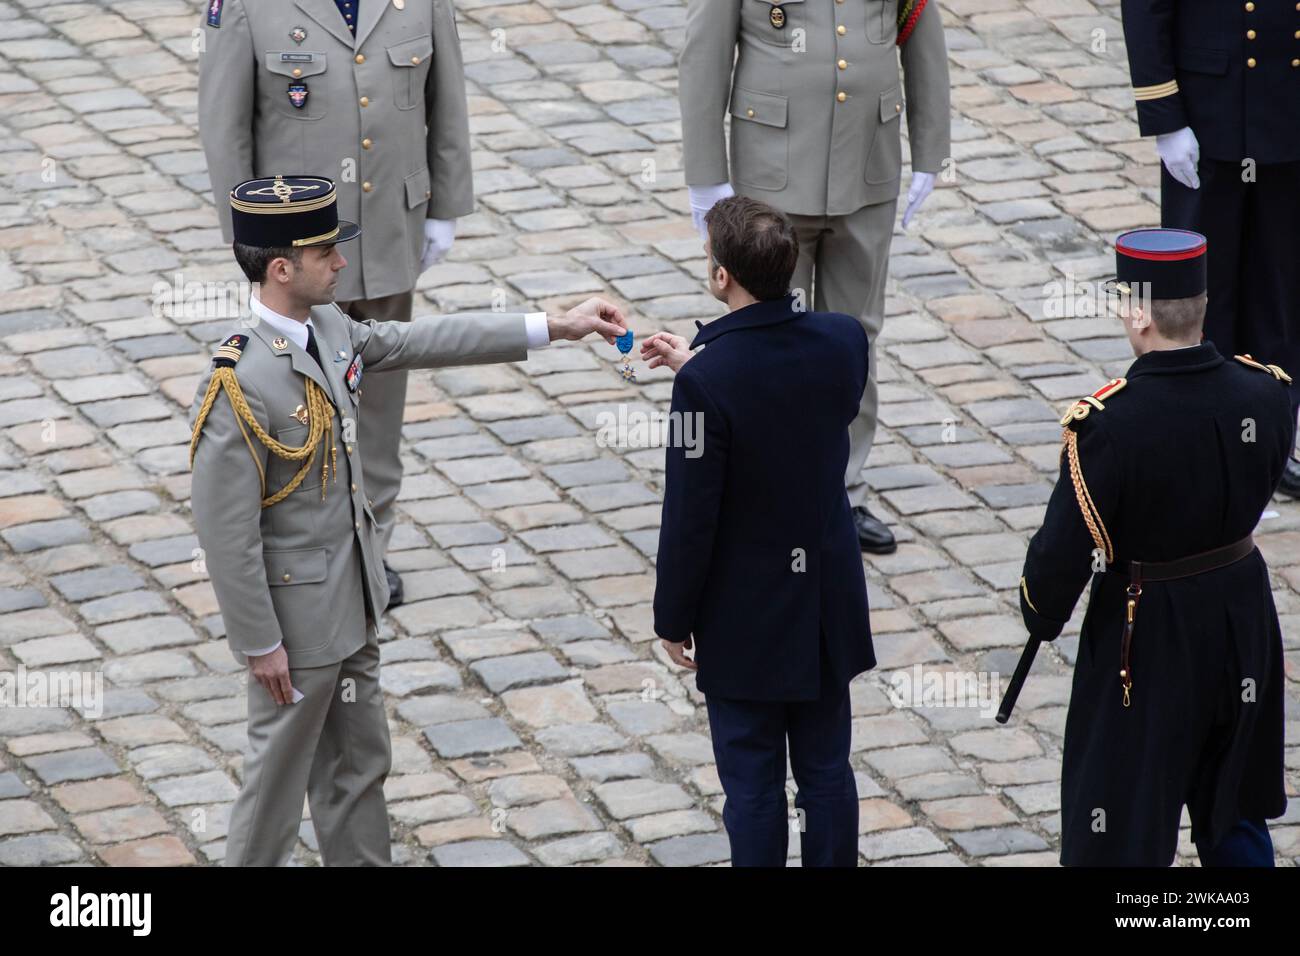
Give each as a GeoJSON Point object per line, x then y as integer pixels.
{"type": "Point", "coordinates": [1084, 406]}
{"type": "Point", "coordinates": [1274, 370]}
{"type": "Point", "coordinates": [227, 354]}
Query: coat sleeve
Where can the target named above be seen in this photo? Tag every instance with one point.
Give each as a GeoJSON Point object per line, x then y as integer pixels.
{"type": "Point", "coordinates": [1149, 38]}
{"type": "Point", "coordinates": [435, 341]}
{"type": "Point", "coordinates": [226, 499]}
{"type": "Point", "coordinates": [692, 500]}
{"type": "Point", "coordinates": [1061, 558]}
{"type": "Point", "coordinates": [227, 98]}
{"type": "Point", "coordinates": [451, 178]}
{"type": "Point", "coordinates": [926, 83]}
{"type": "Point", "coordinates": [704, 87]}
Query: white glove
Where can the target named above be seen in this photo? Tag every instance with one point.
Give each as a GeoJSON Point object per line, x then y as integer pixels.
{"type": "Point", "coordinates": [438, 237]}
{"type": "Point", "coordinates": [702, 200]}
{"type": "Point", "coordinates": [1180, 152]}
{"type": "Point", "coordinates": [922, 186]}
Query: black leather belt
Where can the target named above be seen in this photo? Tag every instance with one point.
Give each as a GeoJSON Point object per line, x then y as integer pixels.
{"type": "Point", "coordinates": [1142, 571]}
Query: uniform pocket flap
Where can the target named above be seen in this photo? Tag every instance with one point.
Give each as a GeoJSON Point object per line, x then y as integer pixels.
{"type": "Point", "coordinates": [766, 108]}
{"type": "Point", "coordinates": [1196, 60]}
{"type": "Point", "coordinates": [891, 104]}
{"type": "Point", "coordinates": [302, 566]}
{"type": "Point", "coordinates": [296, 66]}
{"type": "Point", "coordinates": [411, 52]}
{"type": "Point", "coordinates": [417, 188]}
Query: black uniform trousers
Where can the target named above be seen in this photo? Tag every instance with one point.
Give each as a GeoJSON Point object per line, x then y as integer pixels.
{"type": "Point", "coordinates": [1253, 233]}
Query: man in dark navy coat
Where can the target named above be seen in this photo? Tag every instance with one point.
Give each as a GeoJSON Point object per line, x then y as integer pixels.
{"type": "Point", "coordinates": [1178, 686]}
{"type": "Point", "coordinates": [1217, 82]}
{"type": "Point", "coordinates": [759, 568]}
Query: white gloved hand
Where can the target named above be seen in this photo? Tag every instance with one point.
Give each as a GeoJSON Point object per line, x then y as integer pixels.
{"type": "Point", "coordinates": [922, 186]}
{"type": "Point", "coordinates": [1180, 152]}
{"type": "Point", "coordinates": [438, 237]}
{"type": "Point", "coordinates": [702, 200]}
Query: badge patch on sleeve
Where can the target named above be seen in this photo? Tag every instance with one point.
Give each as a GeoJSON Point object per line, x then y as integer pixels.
{"type": "Point", "coordinates": [214, 13]}
{"type": "Point", "coordinates": [352, 378]}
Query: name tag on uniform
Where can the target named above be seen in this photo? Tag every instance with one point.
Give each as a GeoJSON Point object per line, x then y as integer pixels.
{"type": "Point", "coordinates": [352, 378]}
{"type": "Point", "coordinates": [296, 57]}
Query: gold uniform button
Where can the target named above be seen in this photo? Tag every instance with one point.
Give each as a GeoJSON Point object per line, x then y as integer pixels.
{"type": "Point", "coordinates": [285, 578]}
{"type": "Point", "coordinates": [840, 30]}
{"type": "Point", "coordinates": [898, 107]}
{"type": "Point", "coordinates": [749, 113]}
{"type": "Point", "coordinates": [1250, 8]}
{"type": "Point", "coordinates": [1251, 63]}
{"type": "Point", "coordinates": [1295, 62]}
{"type": "Point", "coordinates": [415, 61]}
{"type": "Point", "coordinates": [366, 187]}
{"type": "Point", "coordinates": [428, 194]}
{"type": "Point", "coordinates": [1297, 34]}
{"type": "Point", "coordinates": [366, 143]}
{"type": "Point", "coordinates": [297, 72]}
{"type": "Point", "coordinates": [349, 449]}
{"type": "Point", "coordinates": [841, 96]}
{"type": "Point", "coordinates": [365, 101]}
{"type": "Point", "coordinates": [843, 64]}
{"type": "Point", "coordinates": [354, 489]}
{"type": "Point", "coordinates": [361, 58]}
{"type": "Point", "coordinates": [356, 526]}
{"type": "Point", "coordinates": [1250, 34]}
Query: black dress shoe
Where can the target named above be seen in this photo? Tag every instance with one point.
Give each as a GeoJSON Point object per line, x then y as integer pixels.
{"type": "Point", "coordinates": [1291, 479]}
{"type": "Point", "coordinates": [873, 536]}
{"type": "Point", "coordinates": [394, 586]}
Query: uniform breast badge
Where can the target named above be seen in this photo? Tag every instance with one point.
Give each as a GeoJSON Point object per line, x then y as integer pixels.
{"type": "Point", "coordinates": [777, 17]}
{"type": "Point", "coordinates": [214, 13]}
{"type": "Point", "coordinates": [298, 95]}
{"type": "Point", "coordinates": [624, 344]}
{"type": "Point", "coordinates": [299, 414]}
{"type": "Point", "coordinates": [297, 35]}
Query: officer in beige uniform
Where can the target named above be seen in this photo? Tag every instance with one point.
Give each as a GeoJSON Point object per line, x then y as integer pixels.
{"type": "Point", "coordinates": [815, 101]}
{"type": "Point", "coordinates": [290, 539]}
{"type": "Point", "coordinates": [375, 91]}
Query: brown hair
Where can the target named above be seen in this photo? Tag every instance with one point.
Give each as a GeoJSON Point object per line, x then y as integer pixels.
{"type": "Point", "coordinates": [755, 243]}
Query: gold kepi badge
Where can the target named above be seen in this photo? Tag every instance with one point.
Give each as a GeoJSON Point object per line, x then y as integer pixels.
{"type": "Point", "coordinates": [777, 16]}
{"type": "Point", "coordinates": [280, 343]}
{"type": "Point", "coordinates": [300, 413]}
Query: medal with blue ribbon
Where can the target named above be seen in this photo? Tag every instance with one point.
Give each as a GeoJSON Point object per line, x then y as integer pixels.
{"type": "Point", "coordinates": [624, 344]}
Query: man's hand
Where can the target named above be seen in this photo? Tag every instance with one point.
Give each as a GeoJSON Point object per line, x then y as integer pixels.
{"type": "Point", "coordinates": [922, 186]}
{"type": "Point", "coordinates": [664, 348]}
{"type": "Point", "coordinates": [594, 315]}
{"type": "Point", "coordinates": [272, 672]}
{"type": "Point", "coordinates": [678, 653]}
{"type": "Point", "coordinates": [438, 237]}
{"type": "Point", "coordinates": [702, 200]}
{"type": "Point", "coordinates": [1180, 152]}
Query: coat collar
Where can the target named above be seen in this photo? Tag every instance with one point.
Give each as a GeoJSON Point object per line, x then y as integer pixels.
{"type": "Point", "coordinates": [326, 13]}
{"type": "Point", "coordinates": [1197, 358]}
{"type": "Point", "coordinates": [756, 315]}
{"type": "Point", "coordinates": [303, 363]}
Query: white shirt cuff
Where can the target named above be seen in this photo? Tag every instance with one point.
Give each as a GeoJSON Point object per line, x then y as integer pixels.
{"type": "Point", "coordinates": [539, 334]}
{"type": "Point", "coordinates": [260, 651]}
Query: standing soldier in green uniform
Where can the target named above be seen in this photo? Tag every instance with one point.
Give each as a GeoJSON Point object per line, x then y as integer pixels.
{"type": "Point", "coordinates": [373, 90]}
{"type": "Point", "coordinates": [289, 536]}
{"type": "Point", "coordinates": [815, 100]}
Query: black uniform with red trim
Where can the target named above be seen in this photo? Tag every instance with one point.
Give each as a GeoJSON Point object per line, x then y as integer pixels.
{"type": "Point", "coordinates": [1178, 458]}
{"type": "Point", "coordinates": [1231, 71]}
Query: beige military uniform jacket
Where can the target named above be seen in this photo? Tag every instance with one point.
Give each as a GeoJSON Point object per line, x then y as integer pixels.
{"type": "Point", "coordinates": [308, 570]}
{"type": "Point", "coordinates": [815, 100]}
{"type": "Point", "coordinates": [384, 116]}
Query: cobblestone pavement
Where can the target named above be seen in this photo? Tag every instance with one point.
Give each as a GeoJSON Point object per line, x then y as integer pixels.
{"type": "Point", "coordinates": [534, 717]}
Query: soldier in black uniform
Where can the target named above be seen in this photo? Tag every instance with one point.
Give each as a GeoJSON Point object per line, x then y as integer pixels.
{"type": "Point", "coordinates": [1217, 82]}
{"type": "Point", "coordinates": [1178, 687]}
